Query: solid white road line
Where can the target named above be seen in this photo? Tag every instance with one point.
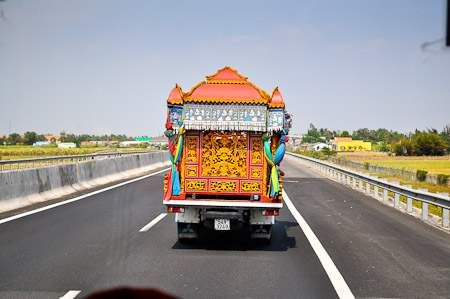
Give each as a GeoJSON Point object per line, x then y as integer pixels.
{"type": "Point", "coordinates": [78, 198]}
{"type": "Point", "coordinates": [152, 223]}
{"type": "Point", "coordinates": [70, 295]}
{"type": "Point", "coordinates": [333, 273]}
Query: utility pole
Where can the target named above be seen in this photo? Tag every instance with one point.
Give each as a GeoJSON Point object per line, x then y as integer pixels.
{"type": "Point", "coordinates": [9, 128]}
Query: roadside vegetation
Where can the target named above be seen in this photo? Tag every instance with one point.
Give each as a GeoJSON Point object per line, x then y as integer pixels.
{"type": "Point", "coordinates": [25, 152]}
{"type": "Point", "coordinates": [31, 137]}
{"type": "Point", "coordinates": [429, 142]}
{"type": "Point", "coordinates": [16, 146]}
{"type": "Point", "coordinates": [433, 165]}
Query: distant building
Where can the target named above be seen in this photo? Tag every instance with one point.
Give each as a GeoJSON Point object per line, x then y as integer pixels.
{"type": "Point", "coordinates": [318, 146]}
{"type": "Point", "coordinates": [346, 144]}
{"type": "Point", "coordinates": [160, 140]}
{"type": "Point", "coordinates": [313, 147]}
{"type": "Point", "coordinates": [54, 138]}
{"type": "Point", "coordinates": [294, 141]}
{"type": "Point", "coordinates": [39, 143]}
{"type": "Point", "coordinates": [128, 143]}
{"type": "Point", "coordinates": [67, 145]}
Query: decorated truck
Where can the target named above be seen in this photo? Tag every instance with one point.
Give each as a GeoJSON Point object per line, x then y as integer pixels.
{"type": "Point", "coordinates": [226, 140]}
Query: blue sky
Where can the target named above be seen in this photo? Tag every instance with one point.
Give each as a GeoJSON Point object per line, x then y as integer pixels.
{"type": "Point", "coordinates": [102, 67]}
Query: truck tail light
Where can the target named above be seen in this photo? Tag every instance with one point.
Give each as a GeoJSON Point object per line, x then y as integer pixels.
{"type": "Point", "coordinates": [175, 210]}
{"type": "Point", "coordinates": [270, 213]}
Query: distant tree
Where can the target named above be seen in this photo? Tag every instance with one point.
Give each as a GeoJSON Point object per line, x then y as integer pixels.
{"type": "Point", "coordinates": [41, 138]}
{"type": "Point", "coordinates": [445, 134]}
{"type": "Point", "coordinates": [73, 138]}
{"type": "Point", "coordinates": [429, 144]}
{"type": "Point", "coordinates": [385, 147]}
{"type": "Point", "coordinates": [312, 135]}
{"type": "Point", "coordinates": [345, 134]}
{"type": "Point", "coordinates": [328, 134]}
{"type": "Point", "coordinates": [14, 138]}
{"type": "Point", "coordinates": [63, 139]}
{"type": "Point", "coordinates": [30, 138]}
{"type": "Point", "coordinates": [53, 140]}
{"type": "Point", "coordinates": [403, 148]}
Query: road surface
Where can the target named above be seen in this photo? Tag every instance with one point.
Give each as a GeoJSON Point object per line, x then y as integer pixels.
{"type": "Point", "coordinates": [95, 243]}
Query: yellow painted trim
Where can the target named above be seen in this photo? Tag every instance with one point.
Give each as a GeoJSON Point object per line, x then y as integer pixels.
{"type": "Point", "coordinates": [179, 102]}
{"type": "Point", "coordinates": [226, 82]}
{"type": "Point", "coordinates": [179, 90]}
{"type": "Point", "coordinates": [276, 105]}
{"type": "Point", "coordinates": [210, 78]}
{"type": "Point", "coordinates": [185, 95]}
{"type": "Point", "coordinates": [233, 101]}
{"type": "Point", "coordinates": [263, 93]}
{"type": "Point", "coordinates": [275, 89]}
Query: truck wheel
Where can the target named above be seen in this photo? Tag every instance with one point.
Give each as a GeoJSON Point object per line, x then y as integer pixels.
{"type": "Point", "coordinates": [187, 231]}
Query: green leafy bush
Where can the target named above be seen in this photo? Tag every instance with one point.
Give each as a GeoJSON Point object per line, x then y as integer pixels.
{"type": "Point", "coordinates": [421, 175]}
{"type": "Point", "coordinates": [328, 152]}
{"type": "Point", "coordinates": [442, 179]}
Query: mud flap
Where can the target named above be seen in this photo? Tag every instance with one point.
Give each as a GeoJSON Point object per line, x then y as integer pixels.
{"type": "Point", "coordinates": [187, 231]}
{"type": "Point", "coordinates": [261, 232]}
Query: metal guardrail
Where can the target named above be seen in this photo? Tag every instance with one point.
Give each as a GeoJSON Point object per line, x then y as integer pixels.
{"type": "Point", "coordinates": [359, 179]}
{"type": "Point", "coordinates": [49, 161]}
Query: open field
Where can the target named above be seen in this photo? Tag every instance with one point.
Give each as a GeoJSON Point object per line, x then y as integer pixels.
{"type": "Point", "coordinates": [434, 165]}
{"type": "Point", "coordinates": [29, 152]}
{"type": "Point", "coordinates": [25, 152]}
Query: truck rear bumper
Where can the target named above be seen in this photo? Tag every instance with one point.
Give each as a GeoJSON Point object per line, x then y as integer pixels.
{"type": "Point", "coordinates": [223, 203]}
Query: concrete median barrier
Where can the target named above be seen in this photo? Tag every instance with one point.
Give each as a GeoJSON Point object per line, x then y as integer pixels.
{"type": "Point", "coordinates": [24, 187]}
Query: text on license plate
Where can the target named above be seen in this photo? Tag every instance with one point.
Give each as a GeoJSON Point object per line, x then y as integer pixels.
{"type": "Point", "coordinates": [222, 224]}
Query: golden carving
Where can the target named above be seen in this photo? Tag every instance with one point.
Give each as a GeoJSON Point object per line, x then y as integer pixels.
{"type": "Point", "coordinates": [280, 193]}
{"type": "Point", "coordinates": [274, 144]}
{"type": "Point", "coordinates": [191, 149]}
{"type": "Point", "coordinates": [256, 173]}
{"type": "Point", "coordinates": [223, 186]}
{"type": "Point", "coordinates": [251, 187]}
{"type": "Point", "coordinates": [256, 151]}
{"type": "Point", "coordinates": [195, 185]}
{"type": "Point", "coordinates": [226, 101]}
{"type": "Point", "coordinates": [224, 154]}
{"type": "Point", "coordinates": [181, 164]}
{"type": "Point", "coordinates": [166, 182]}
{"type": "Point", "coordinates": [191, 171]}
{"type": "Point", "coordinates": [211, 77]}
{"type": "Point", "coordinates": [265, 180]}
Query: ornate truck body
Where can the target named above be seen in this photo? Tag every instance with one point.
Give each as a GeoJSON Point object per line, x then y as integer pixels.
{"type": "Point", "coordinates": [226, 137]}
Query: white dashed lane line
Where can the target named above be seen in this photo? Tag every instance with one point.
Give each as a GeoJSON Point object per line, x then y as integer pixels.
{"type": "Point", "coordinates": [70, 295]}
{"type": "Point", "coordinates": [152, 223]}
{"type": "Point", "coordinates": [78, 198]}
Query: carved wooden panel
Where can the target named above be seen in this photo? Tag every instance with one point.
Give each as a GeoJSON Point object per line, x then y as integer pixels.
{"type": "Point", "coordinates": [256, 151]}
{"type": "Point", "coordinates": [191, 149]}
{"type": "Point", "coordinates": [223, 186]}
{"type": "Point", "coordinates": [192, 185]}
{"type": "Point", "coordinates": [251, 187]}
{"type": "Point", "coordinates": [224, 154]}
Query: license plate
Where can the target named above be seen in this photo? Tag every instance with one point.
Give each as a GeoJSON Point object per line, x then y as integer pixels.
{"type": "Point", "coordinates": [222, 224]}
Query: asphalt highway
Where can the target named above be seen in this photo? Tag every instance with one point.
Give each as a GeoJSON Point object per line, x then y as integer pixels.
{"type": "Point", "coordinates": [104, 241]}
